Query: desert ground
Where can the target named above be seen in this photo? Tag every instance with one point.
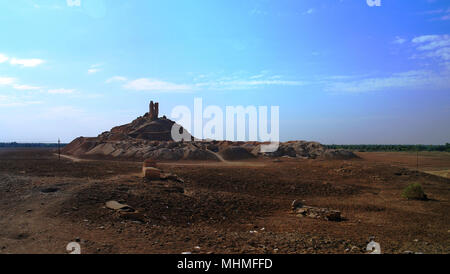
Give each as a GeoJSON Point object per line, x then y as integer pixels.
{"type": "Point", "coordinates": [226, 207]}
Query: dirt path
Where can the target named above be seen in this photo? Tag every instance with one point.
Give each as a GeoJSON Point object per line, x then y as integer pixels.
{"type": "Point", "coordinates": [222, 162]}
{"type": "Point", "coordinates": [71, 158]}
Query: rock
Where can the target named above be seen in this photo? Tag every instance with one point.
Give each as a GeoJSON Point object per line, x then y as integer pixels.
{"type": "Point", "coordinates": [152, 173]}
{"type": "Point", "coordinates": [170, 176]}
{"type": "Point", "coordinates": [114, 205]}
{"type": "Point", "coordinates": [316, 212]}
{"type": "Point", "coordinates": [333, 215]}
{"type": "Point", "coordinates": [133, 216]}
{"type": "Point", "coordinates": [49, 190]}
{"type": "Point", "coordinates": [296, 204]}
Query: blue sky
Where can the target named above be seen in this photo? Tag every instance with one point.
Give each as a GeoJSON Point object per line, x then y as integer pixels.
{"type": "Point", "coordinates": [340, 71]}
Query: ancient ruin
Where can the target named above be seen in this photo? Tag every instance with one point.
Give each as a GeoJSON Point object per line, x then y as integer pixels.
{"type": "Point", "coordinates": [154, 110]}
{"type": "Point", "coordinates": [149, 137]}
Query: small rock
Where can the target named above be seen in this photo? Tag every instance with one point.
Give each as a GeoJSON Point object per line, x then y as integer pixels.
{"type": "Point", "coordinates": [118, 206]}
{"type": "Point", "coordinates": [151, 173]}
{"type": "Point", "coordinates": [296, 204]}
{"type": "Point", "coordinates": [316, 212]}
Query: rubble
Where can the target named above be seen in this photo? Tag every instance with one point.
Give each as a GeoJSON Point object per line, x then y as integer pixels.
{"type": "Point", "coordinates": [315, 212]}
{"type": "Point", "coordinates": [114, 205]}
{"type": "Point", "coordinates": [151, 173]}
{"type": "Point", "coordinates": [149, 137]}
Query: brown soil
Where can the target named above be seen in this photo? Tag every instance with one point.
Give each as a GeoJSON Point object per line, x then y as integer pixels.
{"type": "Point", "coordinates": [436, 163]}
{"type": "Point", "coordinates": [226, 207]}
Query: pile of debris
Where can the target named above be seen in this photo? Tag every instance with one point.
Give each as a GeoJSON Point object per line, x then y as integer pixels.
{"type": "Point", "coordinates": [167, 182]}
{"type": "Point", "coordinates": [149, 137]}
{"type": "Point", "coordinates": [151, 173]}
{"type": "Point", "coordinates": [315, 212]}
{"type": "Point", "coordinates": [156, 179]}
{"type": "Point", "coordinates": [125, 211]}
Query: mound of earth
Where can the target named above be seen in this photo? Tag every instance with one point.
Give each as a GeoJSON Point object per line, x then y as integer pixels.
{"type": "Point", "coordinates": [339, 154]}
{"type": "Point", "coordinates": [149, 137]}
{"type": "Point", "coordinates": [234, 153]}
{"type": "Point", "coordinates": [307, 150]}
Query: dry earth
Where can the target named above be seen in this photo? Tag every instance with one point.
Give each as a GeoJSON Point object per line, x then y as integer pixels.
{"type": "Point", "coordinates": [227, 207]}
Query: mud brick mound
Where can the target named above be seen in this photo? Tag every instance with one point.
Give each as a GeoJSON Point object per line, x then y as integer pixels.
{"type": "Point", "coordinates": [149, 137]}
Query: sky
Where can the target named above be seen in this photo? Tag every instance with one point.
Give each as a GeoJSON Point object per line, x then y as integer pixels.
{"type": "Point", "coordinates": [341, 71]}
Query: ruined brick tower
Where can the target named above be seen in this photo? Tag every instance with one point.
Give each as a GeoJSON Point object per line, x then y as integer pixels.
{"type": "Point", "coordinates": [154, 110]}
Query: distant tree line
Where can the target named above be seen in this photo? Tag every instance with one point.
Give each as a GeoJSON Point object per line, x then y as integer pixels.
{"type": "Point", "coordinates": [15, 144]}
{"type": "Point", "coordinates": [363, 148]}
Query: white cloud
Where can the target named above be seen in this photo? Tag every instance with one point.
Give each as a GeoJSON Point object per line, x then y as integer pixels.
{"type": "Point", "coordinates": [3, 58]}
{"type": "Point", "coordinates": [73, 3]}
{"type": "Point", "coordinates": [7, 80]}
{"type": "Point", "coordinates": [257, 11]}
{"type": "Point", "coordinates": [116, 79]}
{"type": "Point", "coordinates": [236, 81]}
{"type": "Point", "coordinates": [25, 87]}
{"type": "Point", "coordinates": [155, 85]}
{"type": "Point", "coordinates": [26, 62]}
{"type": "Point", "coordinates": [399, 40]}
{"type": "Point", "coordinates": [433, 46]}
{"type": "Point", "coordinates": [444, 14]}
{"type": "Point", "coordinates": [247, 83]}
{"type": "Point", "coordinates": [14, 101]}
{"type": "Point", "coordinates": [12, 82]}
{"type": "Point", "coordinates": [243, 80]}
{"type": "Point", "coordinates": [430, 42]}
{"type": "Point", "coordinates": [309, 11]}
{"type": "Point", "coordinates": [93, 70]}
{"type": "Point", "coordinates": [61, 91]}
{"type": "Point", "coordinates": [416, 79]}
